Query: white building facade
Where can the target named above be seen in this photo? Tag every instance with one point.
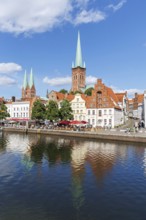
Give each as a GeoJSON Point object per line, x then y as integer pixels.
{"type": "Point", "coordinates": [105, 117]}
{"type": "Point", "coordinates": [19, 110]}
{"type": "Point", "coordinates": [78, 105]}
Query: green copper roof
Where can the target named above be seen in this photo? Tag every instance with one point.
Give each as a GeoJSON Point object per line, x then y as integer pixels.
{"type": "Point", "coordinates": [78, 53]}
{"type": "Point", "coordinates": [25, 82]}
{"type": "Point", "coordinates": [31, 82]}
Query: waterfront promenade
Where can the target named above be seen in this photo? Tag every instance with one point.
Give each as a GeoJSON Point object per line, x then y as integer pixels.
{"type": "Point", "coordinates": [107, 135]}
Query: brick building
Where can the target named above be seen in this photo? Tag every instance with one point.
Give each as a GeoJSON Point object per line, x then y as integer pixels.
{"type": "Point", "coordinates": [28, 89]}
{"type": "Point", "coordinates": [78, 70]}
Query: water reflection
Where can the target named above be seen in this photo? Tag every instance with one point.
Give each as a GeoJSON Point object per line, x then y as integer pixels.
{"type": "Point", "coordinates": [67, 170]}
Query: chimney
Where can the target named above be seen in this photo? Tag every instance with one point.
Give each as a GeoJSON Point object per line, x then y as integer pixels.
{"type": "Point", "coordinates": [13, 99]}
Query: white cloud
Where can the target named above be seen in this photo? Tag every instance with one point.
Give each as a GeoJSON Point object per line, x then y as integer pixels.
{"type": "Point", "coordinates": [27, 16]}
{"type": "Point", "coordinates": [130, 92]}
{"type": "Point", "coordinates": [118, 6]}
{"type": "Point", "coordinates": [91, 80]}
{"type": "Point", "coordinates": [82, 3]}
{"type": "Point", "coordinates": [5, 80]}
{"type": "Point", "coordinates": [7, 68]}
{"type": "Point", "coordinates": [60, 81]}
{"type": "Point", "coordinates": [89, 16]}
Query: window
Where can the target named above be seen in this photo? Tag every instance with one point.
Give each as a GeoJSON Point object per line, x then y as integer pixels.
{"type": "Point", "coordinates": [105, 112]}
{"type": "Point", "coordinates": [17, 115]}
{"type": "Point", "coordinates": [77, 99]}
{"type": "Point", "coordinates": [93, 121]}
{"type": "Point", "coordinates": [93, 112]}
{"type": "Point", "coordinates": [77, 111]}
{"type": "Point", "coordinates": [100, 113]}
{"type": "Point", "coordinates": [110, 121]}
{"type": "Point", "coordinates": [110, 111]}
{"type": "Point", "coordinates": [81, 111]}
{"type": "Point", "coordinates": [14, 115]}
{"type": "Point", "coordinates": [105, 121]}
{"type": "Point", "coordinates": [89, 121]}
{"type": "Point", "coordinates": [88, 112]}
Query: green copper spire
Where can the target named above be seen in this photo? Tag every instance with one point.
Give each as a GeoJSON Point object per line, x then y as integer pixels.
{"type": "Point", "coordinates": [25, 81]}
{"type": "Point", "coordinates": [78, 53]}
{"type": "Point", "coordinates": [31, 82]}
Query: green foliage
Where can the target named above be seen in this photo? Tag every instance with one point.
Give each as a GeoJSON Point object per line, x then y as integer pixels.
{"type": "Point", "coordinates": [3, 112]}
{"type": "Point", "coordinates": [72, 93]}
{"type": "Point", "coordinates": [64, 91]}
{"type": "Point", "coordinates": [65, 112]}
{"type": "Point", "coordinates": [38, 110]}
{"type": "Point", "coordinates": [52, 111]}
{"type": "Point", "coordinates": [89, 91]}
{"type": "Point", "coordinates": [76, 92]}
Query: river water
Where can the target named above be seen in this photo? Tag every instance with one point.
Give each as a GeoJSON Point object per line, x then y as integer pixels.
{"type": "Point", "coordinates": [54, 178]}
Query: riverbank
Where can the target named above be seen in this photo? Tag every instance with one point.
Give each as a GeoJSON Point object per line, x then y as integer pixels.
{"type": "Point", "coordinates": [98, 135]}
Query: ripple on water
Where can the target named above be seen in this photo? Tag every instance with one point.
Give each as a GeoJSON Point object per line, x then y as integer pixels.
{"type": "Point", "coordinates": [54, 178]}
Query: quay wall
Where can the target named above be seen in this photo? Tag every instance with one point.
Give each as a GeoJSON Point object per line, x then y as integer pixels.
{"type": "Point", "coordinates": [106, 135]}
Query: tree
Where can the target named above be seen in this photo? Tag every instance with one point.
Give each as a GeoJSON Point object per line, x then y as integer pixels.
{"type": "Point", "coordinates": [3, 111]}
{"type": "Point", "coordinates": [76, 92]}
{"type": "Point", "coordinates": [88, 91]}
{"type": "Point", "coordinates": [64, 91]}
{"type": "Point", "coordinates": [52, 111]}
{"type": "Point", "coordinates": [38, 110]}
{"type": "Point", "coordinates": [65, 111]}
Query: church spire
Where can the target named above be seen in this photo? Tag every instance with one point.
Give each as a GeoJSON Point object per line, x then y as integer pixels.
{"type": "Point", "coordinates": [78, 61]}
{"type": "Point", "coordinates": [31, 82]}
{"type": "Point", "coordinates": [25, 81]}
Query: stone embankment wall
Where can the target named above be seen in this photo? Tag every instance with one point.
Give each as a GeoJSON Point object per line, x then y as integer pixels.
{"type": "Point", "coordinates": [106, 135]}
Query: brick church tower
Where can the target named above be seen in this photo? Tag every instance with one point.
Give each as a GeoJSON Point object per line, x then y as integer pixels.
{"type": "Point", "coordinates": [28, 89]}
{"type": "Point", "coordinates": [78, 70]}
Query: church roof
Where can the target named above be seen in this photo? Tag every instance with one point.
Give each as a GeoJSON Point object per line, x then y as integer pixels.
{"type": "Point", "coordinates": [31, 82]}
{"type": "Point", "coordinates": [25, 81]}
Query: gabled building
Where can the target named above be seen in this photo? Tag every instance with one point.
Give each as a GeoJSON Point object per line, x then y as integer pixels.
{"type": "Point", "coordinates": [103, 109]}
{"type": "Point", "coordinates": [78, 105]}
{"type": "Point", "coordinates": [138, 106]}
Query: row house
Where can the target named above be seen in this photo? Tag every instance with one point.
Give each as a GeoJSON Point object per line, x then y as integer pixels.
{"type": "Point", "coordinates": [78, 105]}
{"type": "Point", "coordinates": [138, 106]}
{"type": "Point", "coordinates": [102, 106]}
{"type": "Point", "coordinates": [19, 110]}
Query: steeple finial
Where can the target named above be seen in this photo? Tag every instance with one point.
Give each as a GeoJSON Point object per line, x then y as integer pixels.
{"type": "Point", "coordinates": [25, 81]}
{"type": "Point", "coordinates": [78, 53]}
{"type": "Point", "coordinates": [31, 82]}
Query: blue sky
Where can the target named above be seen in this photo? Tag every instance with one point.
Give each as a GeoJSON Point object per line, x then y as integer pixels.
{"type": "Point", "coordinates": [43, 34]}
